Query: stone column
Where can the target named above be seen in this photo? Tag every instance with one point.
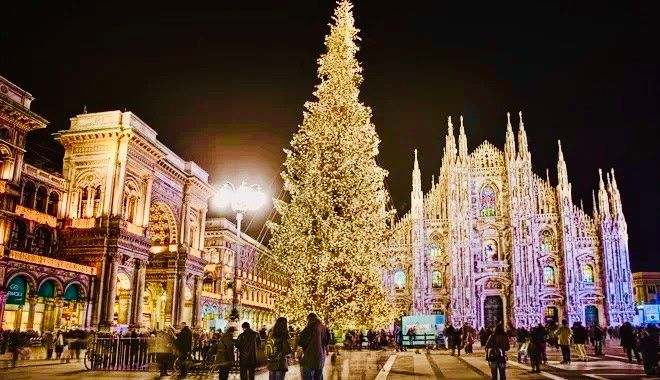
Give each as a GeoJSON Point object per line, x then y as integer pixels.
{"type": "Point", "coordinates": [59, 304]}
{"type": "Point", "coordinates": [118, 189]}
{"type": "Point", "coordinates": [147, 201]}
{"type": "Point", "coordinates": [108, 296]}
{"type": "Point", "coordinates": [49, 318]}
{"type": "Point", "coordinates": [197, 303]}
{"type": "Point", "coordinates": [3, 299]}
{"type": "Point", "coordinates": [185, 216]}
{"type": "Point", "coordinates": [180, 299]}
{"type": "Point", "coordinates": [32, 301]}
{"type": "Point", "coordinates": [202, 228]}
{"type": "Point", "coordinates": [138, 293]}
{"type": "Point", "coordinates": [89, 304]}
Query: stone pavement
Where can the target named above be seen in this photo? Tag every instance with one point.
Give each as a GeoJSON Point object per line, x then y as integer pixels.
{"type": "Point", "coordinates": [383, 365]}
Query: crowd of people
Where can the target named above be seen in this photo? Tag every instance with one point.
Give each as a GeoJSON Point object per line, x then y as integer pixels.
{"type": "Point", "coordinates": [278, 347]}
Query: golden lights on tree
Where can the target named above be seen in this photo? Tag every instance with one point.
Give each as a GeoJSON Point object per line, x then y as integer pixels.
{"type": "Point", "coordinates": [332, 230]}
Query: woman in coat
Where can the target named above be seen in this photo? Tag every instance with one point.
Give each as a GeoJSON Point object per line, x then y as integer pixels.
{"type": "Point", "coordinates": [277, 350]}
{"type": "Point", "coordinates": [496, 348]}
{"type": "Point", "coordinates": [224, 357]}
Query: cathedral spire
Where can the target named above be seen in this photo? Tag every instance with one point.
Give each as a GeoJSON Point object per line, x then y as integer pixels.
{"type": "Point", "coordinates": [416, 178]}
{"type": "Point", "coordinates": [510, 145]}
{"type": "Point", "coordinates": [617, 207]}
{"type": "Point", "coordinates": [523, 151]}
{"type": "Point", "coordinates": [594, 205]}
{"type": "Point", "coordinates": [450, 143]}
{"type": "Point", "coordinates": [562, 172]}
{"type": "Point", "coordinates": [603, 199]}
{"type": "Point", "coordinates": [462, 142]}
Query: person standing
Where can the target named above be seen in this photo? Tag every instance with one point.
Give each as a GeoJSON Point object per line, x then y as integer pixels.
{"type": "Point", "coordinates": [536, 347]}
{"type": "Point", "coordinates": [648, 345]}
{"type": "Point", "coordinates": [314, 340]}
{"type": "Point", "coordinates": [59, 344]}
{"type": "Point", "coordinates": [564, 339]}
{"type": "Point", "coordinates": [49, 344]}
{"type": "Point", "coordinates": [598, 337]}
{"type": "Point", "coordinates": [184, 343]}
{"type": "Point", "coordinates": [277, 349]}
{"type": "Point", "coordinates": [580, 339]}
{"type": "Point", "coordinates": [628, 341]}
{"type": "Point", "coordinates": [224, 357]}
{"type": "Point", "coordinates": [163, 350]}
{"type": "Point", "coordinates": [496, 348]}
{"type": "Point", "coordinates": [449, 336]}
{"type": "Point", "coordinates": [247, 344]}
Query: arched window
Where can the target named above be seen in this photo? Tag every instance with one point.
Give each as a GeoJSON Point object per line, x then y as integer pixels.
{"type": "Point", "coordinates": [42, 199]}
{"type": "Point", "coordinates": [29, 192]}
{"type": "Point", "coordinates": [547, 241]}
{"type": "Point", "coordinates": [435, 251]}
{"type": "Point", "coordinates": [490, 250]}
{"type": "Point", "coordinates": [41, 245]}
{"type": "Point", "coordinates": [84, 199]}
{"type": "Point", "coordinates": [399, 279]}
{"type": "Point", "coordinates": [588, 274]}
{"type": "Point", "coordinates": [548, 276]}
{"type": "Point", "coordinates": [18, 235]}
{"type": "Point", "coordinates": [96, 210]}
{"type": "Point", "coordinates": [436, 279]}
{"type": "Point", "coordinates": [488, 201]}
{"type": "Point", "coordinates": [53, 200]}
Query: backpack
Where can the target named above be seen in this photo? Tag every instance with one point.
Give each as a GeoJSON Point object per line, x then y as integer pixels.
{"type": "Point", "coordinates": [496, 354]}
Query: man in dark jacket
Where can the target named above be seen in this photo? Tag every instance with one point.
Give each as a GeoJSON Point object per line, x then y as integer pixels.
{"type": "Point", "coordinates": [598, 336]}
{"type": "Point", "coordinates": [247, 344]}
{"type": "Point", "coordinates": [628, 341]}
{"type": "Point", "coordinates": [314, 340]}
{"type": "Point", "coordinates": [184, 343]}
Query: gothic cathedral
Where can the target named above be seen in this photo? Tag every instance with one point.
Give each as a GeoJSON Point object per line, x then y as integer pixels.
{"type": "Point", "coordinates": [494, 242]}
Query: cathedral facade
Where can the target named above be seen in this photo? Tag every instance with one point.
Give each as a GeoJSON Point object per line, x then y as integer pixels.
{"type": "Point", "coordinates": [494, 242]}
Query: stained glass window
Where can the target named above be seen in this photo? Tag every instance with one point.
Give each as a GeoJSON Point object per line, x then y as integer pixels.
{"type": "Point", "coordinates": [488, 201]}
{"type": "Point", "coordinates": [436, 279]}
{"type": "Point", "coordinates": [547, 241]}
{"type": "Point", "coordinates": [435, 251]}
{"type": "Point", "coordinates": [399, 279]}
{"type": "Point", "coordinates": [588, 274]}
{"type": "Point", "coordinates": [549, 276]}
{"type": "Point", "coordinates": [490, 250]}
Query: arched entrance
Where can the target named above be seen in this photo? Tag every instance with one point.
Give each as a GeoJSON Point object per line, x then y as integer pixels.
{"type": "Point", "coordinates": [493, 311]}
{"type": "Point", "coordinates": [591, 315]}
{"type": "Point", "coordinates": [72, 307]}
{"type": "Point", "coordinates": [16, 311]}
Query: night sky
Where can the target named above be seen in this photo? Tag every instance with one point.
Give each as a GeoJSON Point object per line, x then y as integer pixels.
{"type": "Point", "coordinates": [224, 84]}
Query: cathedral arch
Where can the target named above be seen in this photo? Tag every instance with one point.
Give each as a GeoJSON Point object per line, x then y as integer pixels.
{"type": "Point", "coordinates": [162, 224]}
{"type": "Point", "coordinates": [131, 200]}
{"type": "Point", "coordinates": [29, 194]}
{"type": "Point", "coordinates": [41, 199]}
{"type": "Point", "coordinates": [488, 200]}
{"type": "Point", "coordinates": [53, 201]}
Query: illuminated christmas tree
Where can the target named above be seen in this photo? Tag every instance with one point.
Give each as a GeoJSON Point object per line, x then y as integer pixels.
{"type": "Point", "coordinates": [333, 228]}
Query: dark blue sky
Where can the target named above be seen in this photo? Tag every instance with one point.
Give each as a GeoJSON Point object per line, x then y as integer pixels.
{"type": "Point", "coordinates": [224, 85]}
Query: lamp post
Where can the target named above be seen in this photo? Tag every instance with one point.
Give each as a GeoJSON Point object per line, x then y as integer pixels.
{"type": "Point", "coordinates": [242, 199]}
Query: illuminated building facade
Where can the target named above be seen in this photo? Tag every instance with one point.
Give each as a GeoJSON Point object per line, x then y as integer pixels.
{"type": "Point", "coordinates": [492, 241]}
{"type": "Point", "coordinates": [117, 239]}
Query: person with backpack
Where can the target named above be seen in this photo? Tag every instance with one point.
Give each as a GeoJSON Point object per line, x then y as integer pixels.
{"type": "Point", "coordinates": [247, 344]}
{"type": "Point", "coordinates": [277, 349]}
{"type": "Point", "coordinates": [224, 355]}
{"type": "Point", "coordinates": [496, 348]}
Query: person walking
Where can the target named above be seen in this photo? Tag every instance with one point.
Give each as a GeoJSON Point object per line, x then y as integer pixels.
{"type": "Point", "coordinates": [49, 344]}
{"type": "Point", "coordinates": [579, 340]}
{"type": "Point", "coordinates": [247, 344]}
{"type": "Point", "coordinates": [648, 345]}
{"type": "Point", "coordinates": [598, 337]}
{"type": "Point", "coordinates": [564, 339]}
{"type": "Point", "coordinates": [224, 357]}
{"type": "Point", "coordinates": [536, 347]}
{"type": "Point", "coordinates": [59, 344]}
{"type": "Point", "coordinates": [314, 340]}
{"type": "Point", "coordinates": [628, 341]}
{"type": "Point", "coordinates": [496, 347]}
{"type": "Point", "coordinates": [184, 344]}
{"type": "Point", "coordinates": [163, 350]}
{"type": "Point", "coordinates": [277, 349]}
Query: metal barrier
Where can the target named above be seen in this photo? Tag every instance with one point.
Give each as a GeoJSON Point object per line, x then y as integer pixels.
{"type": "Point", "coordinates": [122, 354]}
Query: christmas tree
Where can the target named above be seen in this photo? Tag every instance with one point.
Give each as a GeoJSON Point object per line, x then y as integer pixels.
{"type": "Point", "coordinates": [332, 230]}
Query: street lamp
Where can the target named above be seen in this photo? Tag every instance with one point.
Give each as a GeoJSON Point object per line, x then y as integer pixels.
{"type": "Point", "coordinates": [242, 199]}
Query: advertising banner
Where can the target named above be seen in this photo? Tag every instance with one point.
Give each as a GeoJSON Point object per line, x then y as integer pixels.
{"type": "Point", "coordinates": [16, 291]}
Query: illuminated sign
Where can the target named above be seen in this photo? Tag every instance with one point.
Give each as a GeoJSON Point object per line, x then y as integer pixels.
{"type": "Point", "coordinates": [16, 291]}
